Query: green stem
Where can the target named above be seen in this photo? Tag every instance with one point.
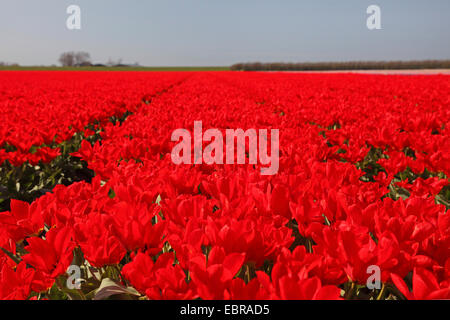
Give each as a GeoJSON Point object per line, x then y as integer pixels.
{"type": "Point", "coordinates": [349, 293]}
{"type": "Point", "coordinates": [382, 292]}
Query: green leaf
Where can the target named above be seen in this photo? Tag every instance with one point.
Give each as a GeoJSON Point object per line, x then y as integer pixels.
{"type": "Point", "coordinates": [110, 288]}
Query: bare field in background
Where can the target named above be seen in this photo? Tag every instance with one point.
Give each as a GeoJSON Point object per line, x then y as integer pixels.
{"type": "Point", "coordinates": [404, 72]}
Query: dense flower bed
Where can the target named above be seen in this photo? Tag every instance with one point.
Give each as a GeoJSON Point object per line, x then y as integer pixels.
{"type": "Point", "coordinates": [43, 109]}
{"type": "Point", "coordinates": [363, 182]}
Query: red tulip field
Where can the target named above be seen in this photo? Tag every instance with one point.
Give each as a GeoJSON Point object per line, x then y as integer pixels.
{"type": "Point", "coordinates": [93, 206]}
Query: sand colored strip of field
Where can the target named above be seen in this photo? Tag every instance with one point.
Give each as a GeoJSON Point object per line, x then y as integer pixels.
{"type": "Point", "coordinates": [386, 72]}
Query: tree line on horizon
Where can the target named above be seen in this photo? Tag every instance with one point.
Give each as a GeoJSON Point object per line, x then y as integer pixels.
{"type": "Point", "coordinates": [83, 59]}
{"type": "Point", "coordinates": [349, 65]}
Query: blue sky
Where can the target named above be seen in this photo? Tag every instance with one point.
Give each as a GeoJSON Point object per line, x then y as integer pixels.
{"type": "Point", "coordinates": [223, 32]}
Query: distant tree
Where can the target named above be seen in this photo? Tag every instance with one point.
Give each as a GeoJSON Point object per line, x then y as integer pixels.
{"type": "Point", "coordinates": [71, 59]}
{"type": "Point", "coordinates": [7, 64]}
{"type": "Point", "coordinates": [349, 65]}
{"type": "Point", "coordinates": [112, 63]}
{"type": "Point", "coordinates": [67, 59]}
{"type": "Point", "coordinates": [82, 58]}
